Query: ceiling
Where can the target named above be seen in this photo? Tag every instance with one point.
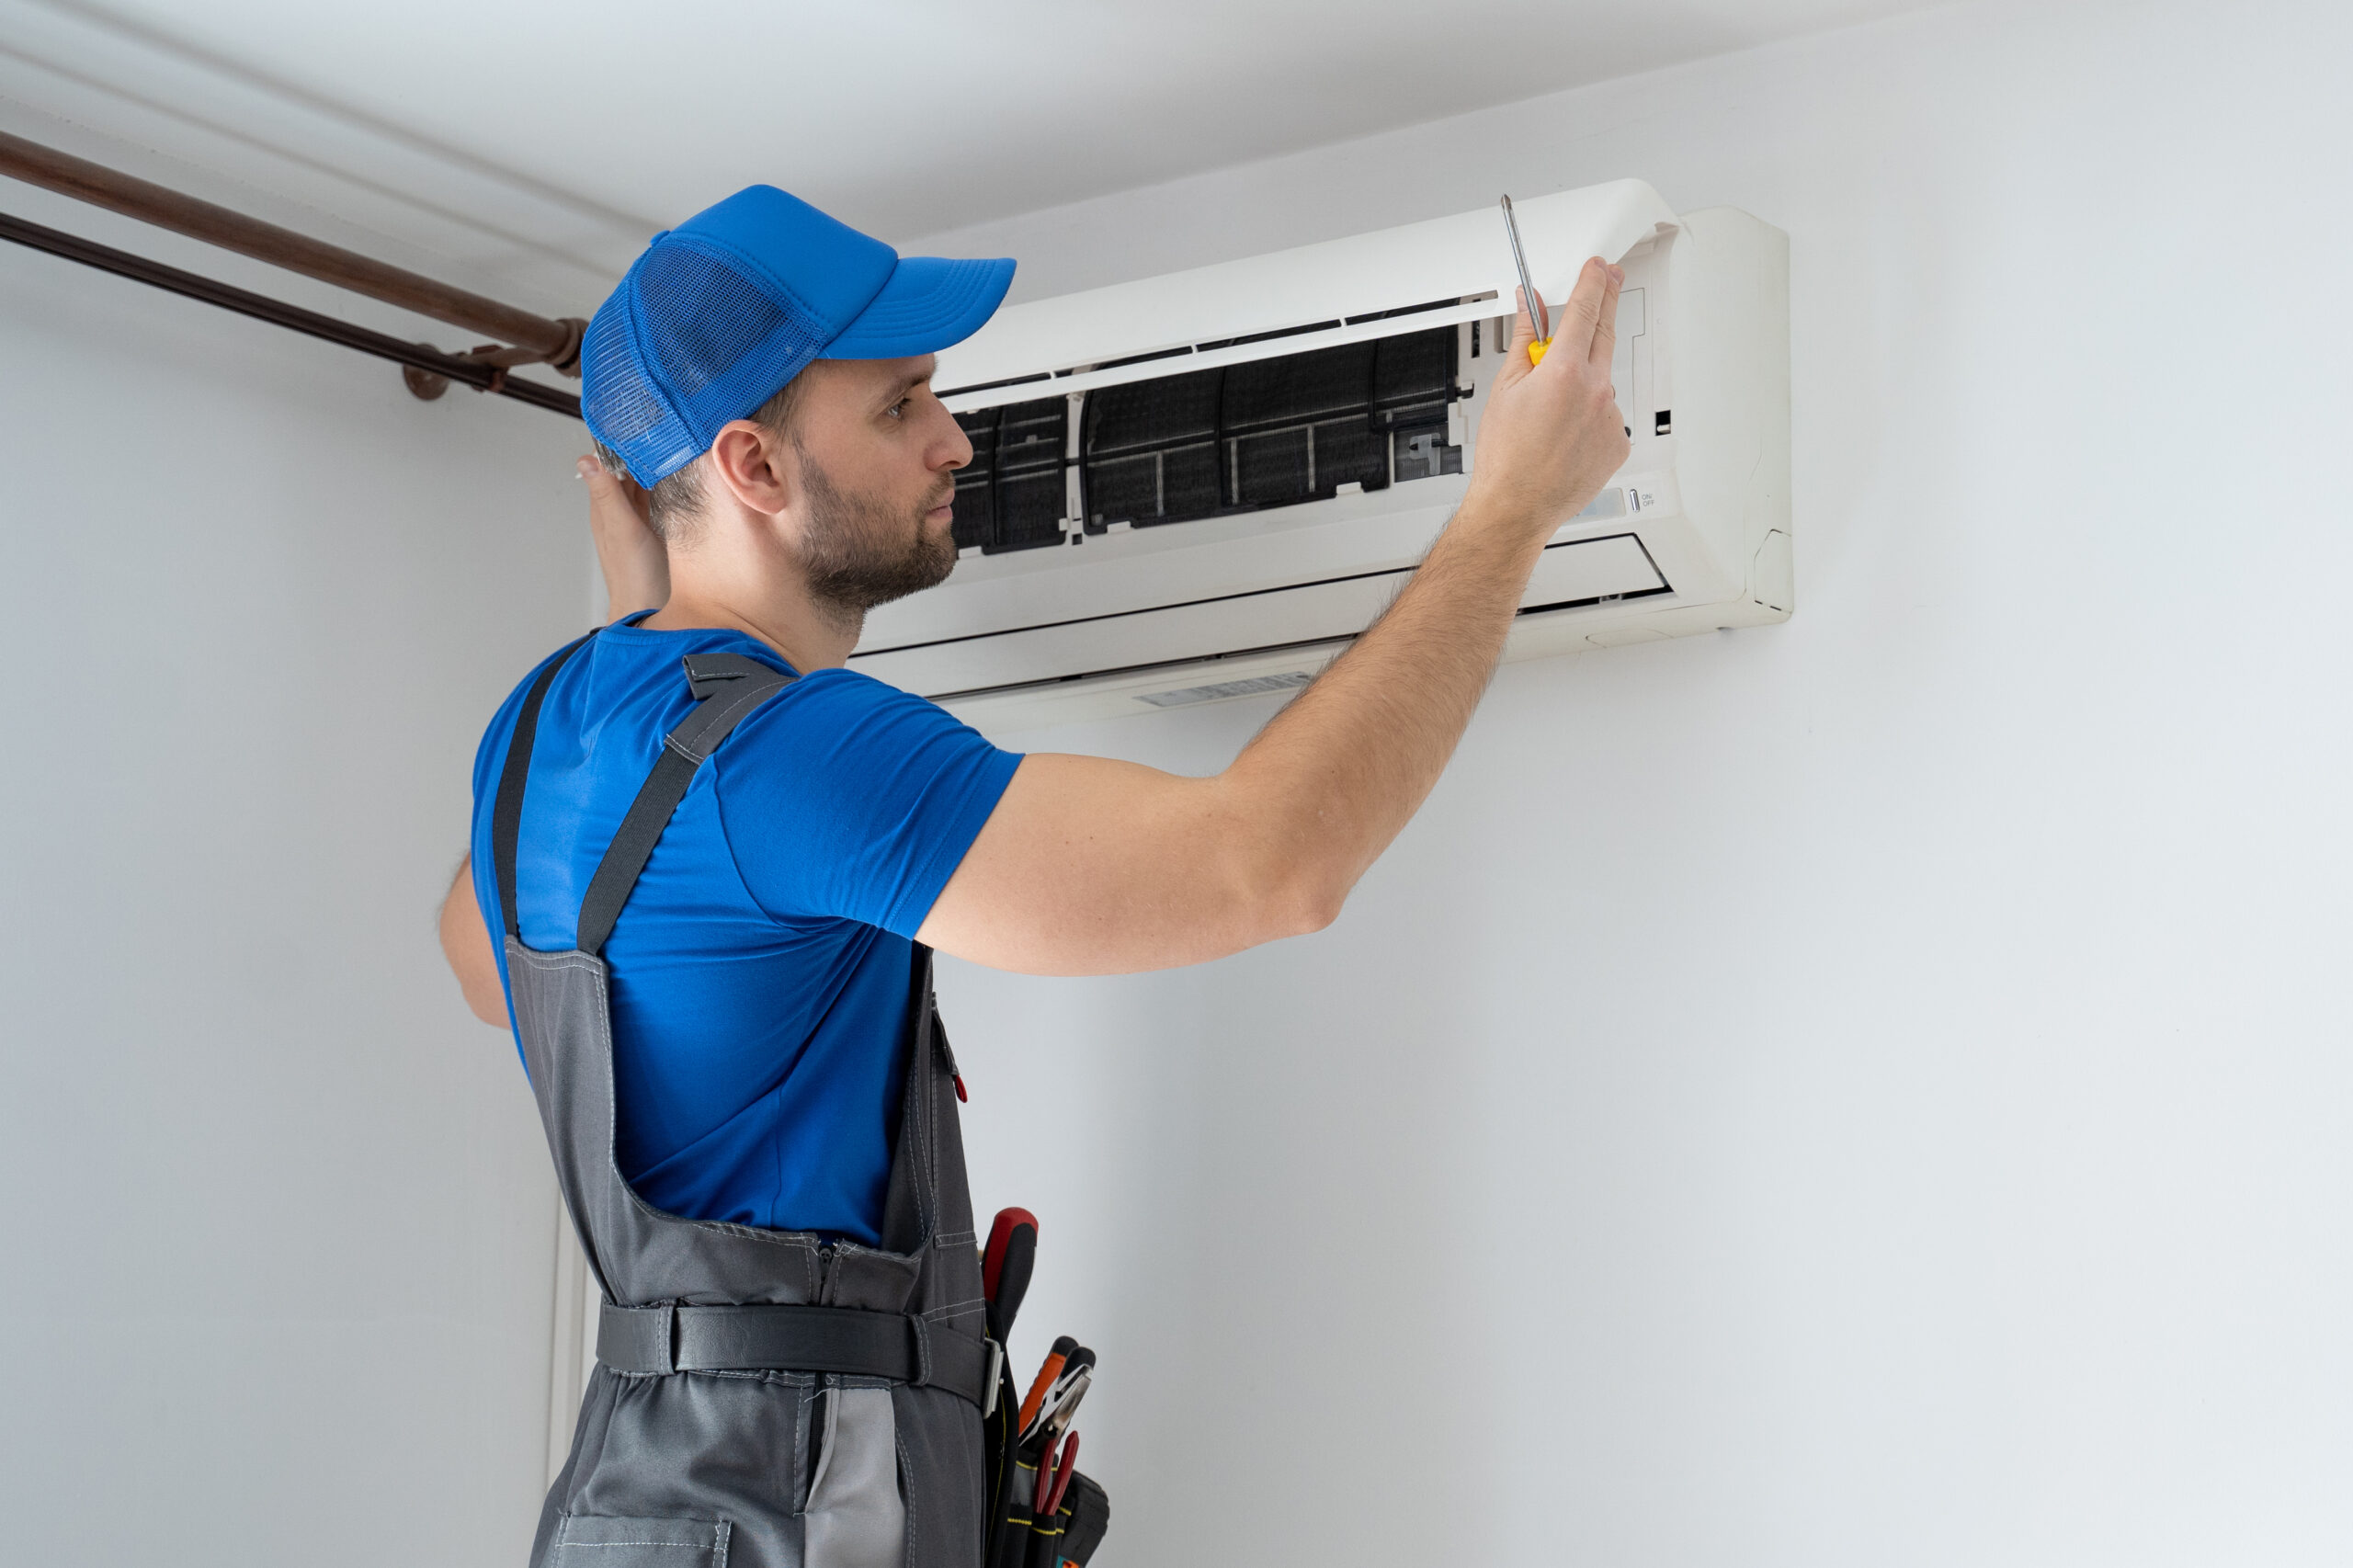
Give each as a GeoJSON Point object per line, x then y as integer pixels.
{"type": "Point", "coordinates": [534, 145]}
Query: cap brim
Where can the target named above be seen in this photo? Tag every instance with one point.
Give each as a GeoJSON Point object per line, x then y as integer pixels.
{"type": "Point", "coordinates": [930, 303]}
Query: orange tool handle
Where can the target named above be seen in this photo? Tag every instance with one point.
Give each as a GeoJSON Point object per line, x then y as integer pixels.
{"type": "Point", "coordinates": [1046, 1376]}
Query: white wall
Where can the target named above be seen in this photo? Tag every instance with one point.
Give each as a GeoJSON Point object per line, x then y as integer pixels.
{"type": "Point", "coordinates": [1872, 1090]}
{"type": "Point", "coordinates": [274, 1209]}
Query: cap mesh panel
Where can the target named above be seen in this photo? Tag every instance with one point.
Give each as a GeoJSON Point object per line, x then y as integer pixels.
{"type": "Point", "coordinates": [714, 315]}
{"type": "Point", "coordinates": [621, 409]}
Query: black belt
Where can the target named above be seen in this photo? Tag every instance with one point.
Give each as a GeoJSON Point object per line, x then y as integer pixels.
{"type": "Point", "coordinates": [902, 1348]}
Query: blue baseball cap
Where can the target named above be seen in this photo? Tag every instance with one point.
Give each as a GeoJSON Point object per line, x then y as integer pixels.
{"type": "Point", "coordinates": [725, 308]}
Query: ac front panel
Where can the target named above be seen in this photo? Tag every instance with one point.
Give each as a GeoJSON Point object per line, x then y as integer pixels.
{"type": "Point", "coordinates": [1463, 257]}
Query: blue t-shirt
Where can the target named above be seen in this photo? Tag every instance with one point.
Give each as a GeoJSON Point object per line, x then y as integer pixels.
{"type": "Point", "coordinates": [760, 969]}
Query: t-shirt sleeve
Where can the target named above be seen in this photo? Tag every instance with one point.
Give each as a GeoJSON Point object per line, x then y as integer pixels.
{"type": "Point", "coordinates": [852, 800]}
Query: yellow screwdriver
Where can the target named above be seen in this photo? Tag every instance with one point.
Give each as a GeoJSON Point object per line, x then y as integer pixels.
{"type": "Point", "coordinates": [1538, 316]}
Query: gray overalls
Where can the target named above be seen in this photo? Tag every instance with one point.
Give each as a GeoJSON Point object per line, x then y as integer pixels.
{"type": "Point", "coordinates": [761, 1400]}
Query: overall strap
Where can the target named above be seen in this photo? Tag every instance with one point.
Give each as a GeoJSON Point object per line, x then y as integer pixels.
{"type": "Point", "coordinates": [727, 687]}
{"type": "Point", "coordinates": [507, 811]}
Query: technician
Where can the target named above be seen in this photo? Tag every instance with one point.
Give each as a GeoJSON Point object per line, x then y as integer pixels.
{"type": "Point", "coordinates": [715, 863]}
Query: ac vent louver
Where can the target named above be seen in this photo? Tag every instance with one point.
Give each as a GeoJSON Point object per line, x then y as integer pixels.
{"type": "Point", "coordinates": [1175, 449]}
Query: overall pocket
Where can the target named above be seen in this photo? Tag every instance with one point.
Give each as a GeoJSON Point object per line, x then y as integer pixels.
{"type": "Point", "coordinates": [596, 1540]}
{"type": "Point", "coordinates": [857, 1516]}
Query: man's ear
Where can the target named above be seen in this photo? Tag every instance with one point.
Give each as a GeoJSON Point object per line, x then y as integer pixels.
{"type": "Point", "coordinates": [749, 461]}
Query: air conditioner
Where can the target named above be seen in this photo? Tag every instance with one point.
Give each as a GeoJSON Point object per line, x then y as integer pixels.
{"type": "Point", "coordinates": [1201, 486]}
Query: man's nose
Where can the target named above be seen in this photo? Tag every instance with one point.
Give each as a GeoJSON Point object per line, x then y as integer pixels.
{"type": "Point", "coordinates": [956, 447]}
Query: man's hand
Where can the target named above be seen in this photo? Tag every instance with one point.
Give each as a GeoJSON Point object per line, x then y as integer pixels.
{"type": "Point", "coordinates": [637, 567]}
{"type": "Point", "coordinates": [1551, 434]}
{"type": "Point", "coordinates": [1094, 867]}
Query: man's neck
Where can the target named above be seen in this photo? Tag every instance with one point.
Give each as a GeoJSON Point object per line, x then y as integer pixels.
{"type": "Point", "coordinates": [809, 636]}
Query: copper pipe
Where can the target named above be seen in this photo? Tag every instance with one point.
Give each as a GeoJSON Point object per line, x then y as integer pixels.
{"type": "Point", "coordinates": [429, 372]}
{"type": "Point", "coordinates": [555, 342]}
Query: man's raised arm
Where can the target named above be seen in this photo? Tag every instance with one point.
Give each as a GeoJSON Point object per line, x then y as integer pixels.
{"type": "Point", "coordinates": [637, 576]}
{"type": "Point", "coordinates": [1094, 867]}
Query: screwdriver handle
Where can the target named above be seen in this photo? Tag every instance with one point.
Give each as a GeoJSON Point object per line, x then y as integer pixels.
{"type": "Point", "coordinates": [1006, 1263]}
{"type": "Point", "coordinates": [1536, 350]}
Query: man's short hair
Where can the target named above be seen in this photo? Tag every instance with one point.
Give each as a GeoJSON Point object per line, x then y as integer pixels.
{"type": "Point", "coordinates": [673, 506]}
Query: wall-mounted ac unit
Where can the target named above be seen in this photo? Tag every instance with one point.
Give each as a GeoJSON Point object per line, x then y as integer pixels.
{"type": "Point", "coordinates": [1200, 485]}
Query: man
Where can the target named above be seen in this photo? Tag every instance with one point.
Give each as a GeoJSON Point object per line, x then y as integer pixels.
{"type": "Point", "coordinates": [716, 956]}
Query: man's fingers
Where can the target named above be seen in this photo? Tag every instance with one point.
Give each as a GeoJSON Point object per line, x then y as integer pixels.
{"type": "Point", "coordinates": [1516, 363]}
{"type": "Point", "coordinates": [1534, 322]}
{"type": "Point", "coordinates": [1580, 317]}
{"type": "Point", "coordinates": [1522, 333]}
{"type": "Point", "coordinates": [1604, 328]}
{"type": "Point", "coordinates": [603, 482]}
{"type": "Point", "coordinates": [601, 479]}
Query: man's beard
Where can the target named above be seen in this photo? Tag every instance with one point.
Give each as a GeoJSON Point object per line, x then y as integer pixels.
{"type": "Point", "coordinates": [861, 551]}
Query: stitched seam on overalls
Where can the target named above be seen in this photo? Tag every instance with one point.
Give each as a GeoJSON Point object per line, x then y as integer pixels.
{"type": "Point", "coordinates": [690, 1546]}
{"type": "Point", "coordinates": [926, 1151]}
{"type": "Point", "coordinates": [906, 1491]}
{"type": "Point", "coordinates": [712, 719]}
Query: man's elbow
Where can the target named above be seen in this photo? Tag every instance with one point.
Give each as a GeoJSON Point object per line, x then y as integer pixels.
{"type": "Point", "coordinates": [1319, 906]}
{"type": "Point", "coordinates": [1312, 915]}
{"type": "Point", "coordinates": [485, 1003]}
{"type": "Point", "coordinates": [1295, 899]}
{"type": "Point", "coordinates": [465, 943]}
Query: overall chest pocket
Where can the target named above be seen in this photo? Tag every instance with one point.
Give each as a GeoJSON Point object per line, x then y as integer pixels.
{"type": "Point", "coordinates": [596, 1540]}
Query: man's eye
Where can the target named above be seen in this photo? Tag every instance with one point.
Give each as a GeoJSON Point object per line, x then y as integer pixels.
{"type": "Point", "coordinates": [897, 410]}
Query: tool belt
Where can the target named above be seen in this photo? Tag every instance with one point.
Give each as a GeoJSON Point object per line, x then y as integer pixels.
{"type": "Point", "coordinates": [902, 1347]}
{"type": "Point", "coordinates": [661, 1340]}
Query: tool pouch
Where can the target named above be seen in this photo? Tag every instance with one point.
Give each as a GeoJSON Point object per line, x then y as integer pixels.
{"type": "Point", "coordinates": [1073, 1534]}
{"type": "Point", "coordinates": [1013, 1537]}
{"type": "Point", "coordinates": [1017, 1538]}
